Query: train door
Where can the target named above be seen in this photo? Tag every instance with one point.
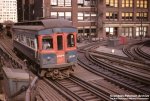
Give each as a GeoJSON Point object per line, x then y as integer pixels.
{"type": "Point", "coordinates": [60, 49]}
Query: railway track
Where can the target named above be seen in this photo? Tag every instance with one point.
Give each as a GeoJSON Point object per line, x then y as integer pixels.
{"type": "Point", "coordinates": [78, 90]}
{"type": "Point", "coordinates": [136, 78]}
{"type": "Point", "coordinates": [120, 59]}
{"type": "Point", "coordinates": [10, 60]}
{"type": "Point", "coordinates": [123, 62]}
{"type": "Point", "coordinates": [134, 52]}
{"type": "Point", "coordinates": [72, 89]}
{"type": "Point", "coordinates": [120, 77]}
{"type": "Point", "coordinates": [138, 50]}
{"type": "Point", "coordinates": [45, 87]}
{"type": "Point", "coordinates": [46, 90]}
{"type": "Point", "coordinates": [8, 57]}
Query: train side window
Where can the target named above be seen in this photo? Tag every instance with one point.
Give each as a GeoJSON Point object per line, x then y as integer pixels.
{"type": "Point", "coordinates": [24, 39]}
{"type": "Point", "coordinates": [32, 43]}
{"type": "Point", "coordinates": [28, 41]}
{"type": "Point", "coordinates": [47, 42]}
{"type": "Point", "coordinates": [16, 37]}
{"type": "Point", "coordinates": [70, 40]}
{"type": "Point", "coordinates": [21, 38]}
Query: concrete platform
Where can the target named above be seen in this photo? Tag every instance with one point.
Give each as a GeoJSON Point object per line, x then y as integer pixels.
{"type": "Point", "coordinates": [105, 49]}
{"type": "Point", "coordinates": [111, 50]}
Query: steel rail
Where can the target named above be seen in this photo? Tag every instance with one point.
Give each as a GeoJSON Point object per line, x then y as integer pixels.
{"type": "Point", "coordinates": [110, 78]}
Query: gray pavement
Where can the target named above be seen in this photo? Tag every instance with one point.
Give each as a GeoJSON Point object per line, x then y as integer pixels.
{"type": "Point", "coordinates": [110, 50]}
{"type": "Point", "coordinates": [116, 50]}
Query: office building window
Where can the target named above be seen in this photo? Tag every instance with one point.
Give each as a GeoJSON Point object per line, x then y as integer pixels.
{"type": "Point", "coordinates": [141, 3]}
{"type": "Point", "coordinates": [93, 16]}
{"type": "Point", "coordinates": [112, 3]}
{"type": "Point", "coordinates": [141, 31]}
{"type": "Point", "coordinates": [142, 16]}
{"type": "Point", "coordinates": [54, 2]}
{"type": "Point", "coordinates": [127, 3]}
{"type": "Point", "coordinates": [61, 3]}
{"type": "Point", "coordinates": [127, 31]}
{"type": "Point", "coordinates": [68, 15]}
{"type": "Point", "coordinates": [67, 3]}
{"type": "Point", "coordinates": [111, 31]}
{"type": "Point", "coordinates": [93, 30]}
{"type": "Point", "coordinates": [86, 16]}
{"type": "Point", "coordinates": [86, 3]}
{"type": "Point", "coordinates": [80, 31]}
{"type": "Point", "coordinates": [93, 3]}
{"type": "Point", "coordinates": [80, 16]}
{"type": "Point", "coordinates": [54, 14]}
{"type": "Point", "coordinates": [128, 16]}
{"type": "Point", "coordinates": [112, 16]}
{"type": "Point", "coordinates": [61, 15]}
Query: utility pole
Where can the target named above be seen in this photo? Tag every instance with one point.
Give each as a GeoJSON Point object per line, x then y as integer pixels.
{"type": "Point", "coordinates": [23, 2]}
{"type": "Point", "coordinates": [141, 32]}
{"type": "Point", "coordinates": [29, 9]}
{"type": "Point", "coordinates": [99, 19]}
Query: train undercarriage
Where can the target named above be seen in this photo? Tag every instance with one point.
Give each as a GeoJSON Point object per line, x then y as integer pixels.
{"type": "Point", "coordinates": [54, 73]}
{"type": "Point", "coordinates": [58, 72]}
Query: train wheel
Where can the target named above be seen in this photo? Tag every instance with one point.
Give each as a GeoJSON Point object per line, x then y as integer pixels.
{"type": "Point", "coordinates": [68, 71]}
{"type": "Point", "coordinates": [58, 74]}
{"type": "Point", "coordinates": [54, 74]}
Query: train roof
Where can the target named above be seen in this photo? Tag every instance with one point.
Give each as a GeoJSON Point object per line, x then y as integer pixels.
{"type": "Point", "coordinates": [43, 24]}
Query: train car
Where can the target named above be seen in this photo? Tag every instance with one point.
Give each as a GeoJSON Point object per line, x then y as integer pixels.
{"type": "Point", "coordinates": [49, 46]}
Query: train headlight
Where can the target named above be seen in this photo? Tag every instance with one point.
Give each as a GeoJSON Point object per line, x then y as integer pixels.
{"type": "Point", "coordinates": [72, 56]}
{"type": "Point", "coordinates": [48, 58]}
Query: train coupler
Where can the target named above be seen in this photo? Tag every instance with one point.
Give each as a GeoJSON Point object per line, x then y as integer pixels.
{"type": "Point", "coordinates": [54, 74]}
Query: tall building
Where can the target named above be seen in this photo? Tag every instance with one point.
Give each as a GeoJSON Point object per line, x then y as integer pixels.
{"type": "Point", "coordinates": [129, 18]}
{"type": "Point", "coordinates": [8, 10]}
{"type": "Point", "coordinates": [102, 18]}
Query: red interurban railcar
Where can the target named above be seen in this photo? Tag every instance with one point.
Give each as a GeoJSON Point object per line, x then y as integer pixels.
{"type": "Point", "coordinates": [49, 46]}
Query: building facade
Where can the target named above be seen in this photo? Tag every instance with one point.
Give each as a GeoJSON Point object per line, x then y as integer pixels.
{"type": "Point", "coordinates": [8, 10]}
{"type": "Point", "coordinates": [129, 18]}
{"type": "Point", "coordinates": [100, 18]}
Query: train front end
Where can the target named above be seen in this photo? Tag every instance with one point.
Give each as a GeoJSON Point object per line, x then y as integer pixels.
{"type": "Point", "coordinates": [58, 52]}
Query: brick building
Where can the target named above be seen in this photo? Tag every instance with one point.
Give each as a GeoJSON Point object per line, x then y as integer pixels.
{"type": "Point", "coordinates": [101, 18]}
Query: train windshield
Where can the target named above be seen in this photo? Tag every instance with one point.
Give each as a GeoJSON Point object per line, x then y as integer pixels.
{"type": "Point", "coordinates": [47, 43]}
{"type": "Point", "coordinates": [70, 40]}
